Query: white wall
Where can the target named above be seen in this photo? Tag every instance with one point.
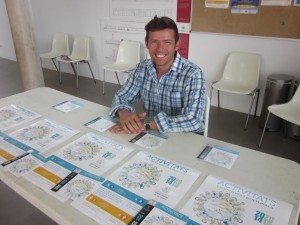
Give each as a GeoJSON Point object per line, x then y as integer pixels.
{"type": "Point", "coordinates": [7, 49]}
{"type": "Point", "coordinates": [209, 51]}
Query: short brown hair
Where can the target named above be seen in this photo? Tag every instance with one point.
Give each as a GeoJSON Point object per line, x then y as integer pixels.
{"type": "Point", "coordinates": [160, 23]}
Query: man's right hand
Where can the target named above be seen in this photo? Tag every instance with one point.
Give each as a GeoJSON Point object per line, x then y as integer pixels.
{"type": "Point", "coordinates": [131, 122]}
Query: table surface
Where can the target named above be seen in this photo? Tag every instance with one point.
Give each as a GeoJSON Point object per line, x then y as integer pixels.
{"type": "Point", "coordinates": [268, 174]}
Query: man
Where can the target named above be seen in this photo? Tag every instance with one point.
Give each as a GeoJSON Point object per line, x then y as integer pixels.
{"type": "Point", "coordinates": [171, 88]}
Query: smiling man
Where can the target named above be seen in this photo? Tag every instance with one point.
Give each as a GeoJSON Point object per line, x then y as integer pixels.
{"type": "Point", "coordinates": [171, 88]}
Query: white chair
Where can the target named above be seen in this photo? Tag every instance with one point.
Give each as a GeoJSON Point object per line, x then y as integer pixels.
{"type": "Point", "coordinates": [240, 76]}
{"type": "Point", "coordinates": [60, 46]}
{"type": "Point", "coordinates": [289, 111]}
{"type": "Point", "coordinates": [80, 53]}
{"type": "Point", "coordinates": [206, 116]}
{"type": "Point", "coordinates": [127, 58]}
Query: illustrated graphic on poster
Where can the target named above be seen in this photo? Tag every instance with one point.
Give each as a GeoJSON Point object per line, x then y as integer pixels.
{"type": "Point", "coordinates": [101, 123]}
{"type": "Point", "coordinates": [219, 156]}
{"type": "Point", "coordinates": [217, 4]}
{"type": "Point", "coordinates": [67, 106]}
{"type": "Point", "coordinates": [218, 201]}
{"type": "Point", "coordinates": [244, 6]}
{"type": "Point", "coordinates": [25, 164]}
{"type": "Point", "coordinates": [13, 115]}
{"type": "Point", "coordinates": [149, 139]}
{"type": "Point", "coordinates": [157, 213]}
{"type": "Point", "coordinates": [44, 134]}
{"type": "Point", "coordinates": [154, 177]}
{"type": "Point", "coordinates": [93, 153]}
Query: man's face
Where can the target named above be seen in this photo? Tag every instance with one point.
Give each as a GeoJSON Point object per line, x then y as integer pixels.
{"type": "Point", "coordinates": [162, 46]}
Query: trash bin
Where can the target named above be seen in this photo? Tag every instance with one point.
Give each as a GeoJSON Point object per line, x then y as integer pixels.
{"type": "Point", "coordinates": [293, 130]}
{"type": "Point", "coordinates": [276, 92]}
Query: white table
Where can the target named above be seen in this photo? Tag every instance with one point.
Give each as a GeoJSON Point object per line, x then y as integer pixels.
{"type": "Point", "coordinates": [270, 175]}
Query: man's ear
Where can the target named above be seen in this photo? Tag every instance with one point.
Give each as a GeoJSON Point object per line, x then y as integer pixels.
{"type": "Point", "coordinates": [177, 44]}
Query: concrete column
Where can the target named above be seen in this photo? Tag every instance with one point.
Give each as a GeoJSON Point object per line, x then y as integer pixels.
{"type": "Point", "coordinates": [25, 44]}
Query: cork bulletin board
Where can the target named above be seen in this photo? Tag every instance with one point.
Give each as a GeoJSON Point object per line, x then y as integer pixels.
{"type": "Point", "coordinates": [270, 21]}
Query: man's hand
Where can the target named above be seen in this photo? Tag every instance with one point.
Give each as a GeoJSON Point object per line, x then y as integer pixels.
{"type": "Point", "coordinates": [130, 123]}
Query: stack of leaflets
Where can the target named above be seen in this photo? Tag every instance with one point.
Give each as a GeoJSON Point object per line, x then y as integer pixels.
{"type": "Point", "coordinates": [44, 134]}
{"type": "Point", "coordinates": [149, 139]}
{"type": "Point", "coordinates": [14, 115]}
{"type": "Point", "coordinates": [219, 156]}
{"type": "Point", "coordinates": [67, 106]}
{"type": "Point", "coordinates": [101, 123]}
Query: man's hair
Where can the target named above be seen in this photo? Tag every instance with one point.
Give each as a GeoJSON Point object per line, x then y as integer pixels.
{"type": "Point", "coordinates": [160, 23]}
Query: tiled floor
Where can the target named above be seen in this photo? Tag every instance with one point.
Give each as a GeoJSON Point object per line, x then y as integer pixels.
{"type": "Point", "coordinates": [224, 124]}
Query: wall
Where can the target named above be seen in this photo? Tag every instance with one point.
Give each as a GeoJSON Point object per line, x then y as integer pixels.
{"type": "Point", "coordinates": [6, 43]}
{"type": "Point", "coordinates": [208, 50]}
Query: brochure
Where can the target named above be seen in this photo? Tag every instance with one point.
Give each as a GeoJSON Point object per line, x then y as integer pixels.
{"type": "Point", "coordinates": [149, 139]}
{"type": "Point", "coordinates": [93, 153]}
{"type": "Point", "coordinates": [63, 180]}
{"type": "Point", "coordinates": [219, 201]}
{"type": "Point", "coordinates": [157, 213]}
{"type": "Point", "coordinates": [67, 106]}
{"type": "Point", "coordinates": [219, 155]}
{"type": "Point", "coordinates": [101, 123]}
{"type": "Point", "coordinates": [110, 204]}
{"type": "Point", "coordinates": [23, 164]}
{"type": "Point", "coordinates": [10, 148]}
{"type": "Point", "coordinates": [14, 115]}
{"type": "Point", "coordinates": [44, 134]}
{"type": "Point", "coordinates": [153, 177]}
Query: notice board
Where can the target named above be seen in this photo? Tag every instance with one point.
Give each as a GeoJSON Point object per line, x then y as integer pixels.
{"type": "Point", "coordinates": [270, 21]}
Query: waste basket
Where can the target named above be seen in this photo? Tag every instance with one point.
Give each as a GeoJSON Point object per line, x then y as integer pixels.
{"type": "Point", "coordinates": [293, 130]}
{"type": "Point", "coordinates": [276, 92]}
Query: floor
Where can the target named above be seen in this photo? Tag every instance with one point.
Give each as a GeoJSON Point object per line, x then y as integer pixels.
{"type": "Point", "coordinates": [224, 125]}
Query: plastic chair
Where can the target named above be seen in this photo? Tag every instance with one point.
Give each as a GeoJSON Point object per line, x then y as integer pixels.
{"type": "Point", "coordinates": [240, 76]}
{"type": "Point", "coordinates": [60, 46]}
{"type": "Point", "coordinates": [80, 53]}
{"type": "Point", "coordinates": [206, 116]}
{"type": "Point", "coordinates": [289, 111]}
{"type": "Point", "coordinates": [127, 58]}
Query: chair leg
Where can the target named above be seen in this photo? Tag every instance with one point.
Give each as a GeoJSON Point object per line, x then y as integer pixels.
{"type": "Point", "coordinates": [73, 68]}
{"type": "Point", "coordinates": [118, 79]}
{"type": "Point", "coordinates": [103, 84]}
{"type": "Point", "coordinates": [76, 75]}
{"type": "Point", "coordinates": [59, 72]}
{"type": "Point", "coordinates": [91, 71]}
{"type": "Point", "coordinates": [250, 108]}
{"type": "Point", "coordinates": [54, 64]}
{"type": "Point", "coordinates": [218, 99]}
{"type": "Point", "coordinates": [257, 98]}
{"type": "Point", "coordinates": [264, 130]}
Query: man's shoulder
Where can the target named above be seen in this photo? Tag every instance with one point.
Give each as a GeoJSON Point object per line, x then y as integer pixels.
{"type": "Point", "coordinates": [187, 65]}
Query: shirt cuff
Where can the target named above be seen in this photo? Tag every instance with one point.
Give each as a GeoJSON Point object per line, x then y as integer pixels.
{"type": "Point", "coordinates": [114, 110]}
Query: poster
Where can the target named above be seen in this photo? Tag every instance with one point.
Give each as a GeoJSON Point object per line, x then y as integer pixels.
{"type": "Point", "coordinates": [219, 201]}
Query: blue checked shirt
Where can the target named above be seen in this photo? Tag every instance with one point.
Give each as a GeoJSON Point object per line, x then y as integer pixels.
{"type": "Point", "coordinates": [176, 101]}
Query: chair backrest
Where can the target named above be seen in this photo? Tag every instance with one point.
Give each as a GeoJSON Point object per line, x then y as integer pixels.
{"type": "Point", "coordinates": [81, 48]}
{"type": "Point", "coordinates": [129, 52]}
{"type": "Point", "coordinates": [206, 115]}
{"type": "Point", "coordinates": [60, 44]}
{"type": "Point", "coordinates": [243, 67]}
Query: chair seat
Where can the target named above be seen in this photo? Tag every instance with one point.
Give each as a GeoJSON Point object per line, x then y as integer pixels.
{"type": "Point", "coordinates": [72, 59]}
{"type": "Point", "coordinates": [50, 55]}
{"type": "Point", "coordinates": [288, 111]}
{"type": "Point", "coordinates": [118, 67]}
{"type": "Point", "coordinates": [235, 88]}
